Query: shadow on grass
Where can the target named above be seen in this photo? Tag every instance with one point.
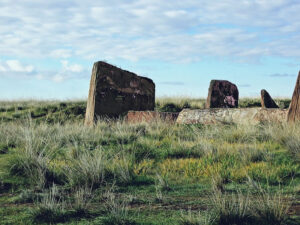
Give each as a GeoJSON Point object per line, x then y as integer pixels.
{"type": "Point", "coordinates": [44, 215]}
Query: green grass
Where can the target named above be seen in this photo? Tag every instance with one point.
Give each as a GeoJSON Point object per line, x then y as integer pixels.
{"type": "Point", "coordinates": [55, 170]}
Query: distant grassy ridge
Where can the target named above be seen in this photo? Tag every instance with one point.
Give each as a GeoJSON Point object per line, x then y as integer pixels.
{"type": "Point", "coordinates": [44, 111]}
{"type": "Point", "coordinates": [54, 111]}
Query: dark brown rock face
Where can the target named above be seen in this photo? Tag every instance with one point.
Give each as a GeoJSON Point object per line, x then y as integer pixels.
{"type": "Point", "coordinates": [114, 91]}
{"type": "Point", "coordinates": [222, 94]}
{"type": "Point", "coordinates": [294, 109]}
{"type": "Point", "coordinates": [266, 100]}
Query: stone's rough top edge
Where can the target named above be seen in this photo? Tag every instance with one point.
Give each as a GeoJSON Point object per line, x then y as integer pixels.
{"type": "Point", "coordinates": [116, 67]}
{"type": "Point", "coordinates": [213, 81]}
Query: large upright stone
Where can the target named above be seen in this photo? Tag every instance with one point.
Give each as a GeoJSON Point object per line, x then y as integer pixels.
{"type": "Point", "coordinates": [222, 94]}
{"type": "Point", "coordinates": [114, 91]}
{"type": "Point", "coordinates": [266, 100]}
{"type": "Point", "coordinates": [294, 109]}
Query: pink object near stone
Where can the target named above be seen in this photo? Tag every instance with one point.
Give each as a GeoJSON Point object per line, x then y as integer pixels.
{"type": "Point", "coordinates": [229, 100]}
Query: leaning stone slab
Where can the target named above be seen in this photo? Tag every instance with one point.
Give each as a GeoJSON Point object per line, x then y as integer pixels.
{"type": "Point", "coordinates": [150, 116]}
{"type": "Point", "coordinates": [222, 94]}
{"type": "Point", "coordinates": [251, 116]}
{"type": "Point", "coordinates": [294, 109]}
{"type": "Point", "coordinates": [266, 100]}
{"type": "Point", "coordinates": [114, 92]}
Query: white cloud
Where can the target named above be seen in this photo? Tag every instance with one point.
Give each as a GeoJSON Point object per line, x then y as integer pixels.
{"type": "Point", "coordinates": [17, 69]}
{"type": "Point", "coordinates": [68, 71]}
{"type": "Point", "coordinates": [76, 68]}
{"type": "Point", "coordinates": [16, 66]}
{"type": "Point", "coordinates": [175, 13]}
{"type": "Point", "coordinates": [40, 76]}
{"type": "Point", "coordinates": [58, 78]}
{"type": "Point", "coordinates": [149, 29]}
{"type": "Point", "coordinates": [61, 53]}
{"type": "Point", "coordinates": [2, 69]}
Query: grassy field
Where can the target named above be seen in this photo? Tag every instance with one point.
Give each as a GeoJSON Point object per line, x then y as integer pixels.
{"type": "Point", "coordinates": [53, 170]}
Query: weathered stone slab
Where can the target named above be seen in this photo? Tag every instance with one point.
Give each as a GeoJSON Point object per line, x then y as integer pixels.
{"type": "Point", "coordinates": [150, 116]}
{"type": "Point", "coordinates": [222, 94]}
{"type": "Point", "coordinates": [226, 116]}
{"type": "Point", "coordinates": [114, 92]}
{"type": "Point", "coordinates": [266, 100]}
{"type": "Point", "coordinates": [294, 109]}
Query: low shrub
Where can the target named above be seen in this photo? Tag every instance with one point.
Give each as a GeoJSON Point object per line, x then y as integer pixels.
{"type": "Point", "coordinates": [170, 107]}
{"type": "Point", "coordinates": [231, 209]}
{"type": "Point", "coordinates": [121, 167]}
{"type": "Point", "coordinates": [200, 218]}
{"type": "Point", "coordinates": [112, 219]}
{"type": "Point", "coordinates": [33, 166]}
{"type": "Point", "coordinates": [51, 208]}
{"type": "Point", "coordinates": [87, 169]}
{"type": "Point", "coordinates": [237, 208]}
{"type": "Point", "coordinates": [117, 211]}
{"type": "Point", "coordinates": [293, 145]}
{"type": "Point", "coordinates": [271, 208]}
{"type": "Point", "coordinates": [82, 198]}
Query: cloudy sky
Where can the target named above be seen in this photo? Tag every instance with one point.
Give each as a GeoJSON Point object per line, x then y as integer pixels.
{"type": "Point", "coordinates": [47, 48]}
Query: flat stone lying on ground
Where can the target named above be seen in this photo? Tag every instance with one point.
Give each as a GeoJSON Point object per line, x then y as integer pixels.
{"type": "Point", "coordinates": [266, 100]}
{"type": "Point", "coordinates": [294, 109]}
{"type": "Point", "coordinates": [150, 116]}
{"type": "Point", "coordinates": [222, 94]}
{"type": "Point", "coordinates": [114, 92]}
{"type": "Point", "coordinates": [251, 116]}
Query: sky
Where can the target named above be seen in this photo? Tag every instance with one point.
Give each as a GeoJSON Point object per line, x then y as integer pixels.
{"type": "Point", "coordinates": [47, 48]}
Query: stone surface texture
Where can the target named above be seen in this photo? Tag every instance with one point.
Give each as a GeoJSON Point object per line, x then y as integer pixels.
{"type": "Point", "coordinates": [251, 116]}
{"type": "Point", "coordinates": [294, 109]}
{"type": "Point", "coordinates": [114, 92]}
{"type": "Point", "coordinates": [222, 94]}
{"type": "Point", "coordinates": [266, 100]}
{"type": "Point", "coordinates": [150, 116]}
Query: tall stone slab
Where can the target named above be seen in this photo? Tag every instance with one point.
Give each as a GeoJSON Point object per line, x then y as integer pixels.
{"type": "Point", "coordinates": [114, 92]}
{"type": "Point", "coordinates": [266, 100]}
{"type": "Point", "coordinates": [294, 109]}
{"type": "Point", "coordinates": [222, 94]}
